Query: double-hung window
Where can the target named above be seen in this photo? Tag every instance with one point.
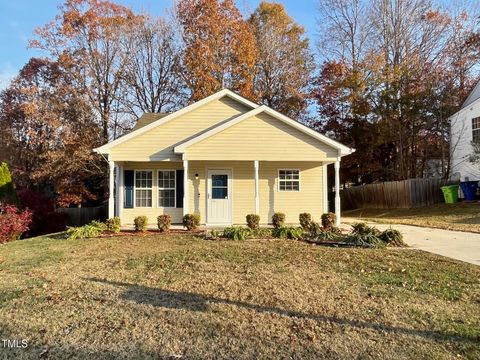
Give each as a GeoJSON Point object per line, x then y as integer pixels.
{"type": "Point", "coordinates": [476, 129]}
{"type": "Point", "coordinates": [289, 180]}
{"type": "Point", "coordinates": [166, 188]}
{"type": "Point", "coordinates": [143, 188]}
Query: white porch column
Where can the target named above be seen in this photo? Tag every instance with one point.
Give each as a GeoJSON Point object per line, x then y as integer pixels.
{"type": "Point", "coordinates": [120, 191]}
{"type": "Point", "coordinates": [185, 187]}
{"type": "Point", "coordinates": [337, 191]}
{"type": "Point", "coordinates": [111, 189]}
{"type": "Point", "coordinates": [325, 188]}
{"type": "Point", "coordinates": [257, 200]}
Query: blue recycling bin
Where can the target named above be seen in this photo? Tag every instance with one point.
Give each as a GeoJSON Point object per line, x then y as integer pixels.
{"type": "Point", "coordinates": [469, 189]}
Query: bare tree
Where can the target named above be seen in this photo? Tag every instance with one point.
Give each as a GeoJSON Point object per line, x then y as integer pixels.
{"type": "Point", "coordinates": [152, 73]}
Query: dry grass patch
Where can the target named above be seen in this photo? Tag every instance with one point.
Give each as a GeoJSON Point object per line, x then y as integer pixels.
{"type": "Point", "coordinates": [463, 216]}
{"type": "Point", "coordinates": [171, 296]}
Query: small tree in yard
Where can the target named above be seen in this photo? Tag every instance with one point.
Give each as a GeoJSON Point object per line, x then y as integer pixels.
{"type": "Point", "coordinates": [7, 191]}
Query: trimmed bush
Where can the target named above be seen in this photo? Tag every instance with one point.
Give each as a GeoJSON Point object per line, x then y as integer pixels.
{"type": "Point", "coordinates": [237, 233]}
{"type": "Point", "coordinates": [305, 220]}
{"type": "Point", "coordinates": [13, 223]}
{"type": "Point", "coordinates": [164, 222]}
{"type": "Point", "coordinates": [191, 221]}
{"type": "Point", "coordinates": [91, 230]}
{"type": "Point", "coordinates": [278, 220]}
{"type": "Point", "coordinates": [141, 223]}
{"type": "Point", "coordinates": [328, 220]}
{"type": "Point", "coordinates": [253, 221]}
{"type": "Point", "coordinates": [113, 224]}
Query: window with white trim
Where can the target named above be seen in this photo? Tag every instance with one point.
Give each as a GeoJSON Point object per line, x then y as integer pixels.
{"type": "Point", "coordinates": [289, 180]}
{"type": "Point", "coordinates": [476, 129]}
{"type": "Point", "coordinates": [143, 188]}
{"type": "Point", "coordinates": [166, 188]}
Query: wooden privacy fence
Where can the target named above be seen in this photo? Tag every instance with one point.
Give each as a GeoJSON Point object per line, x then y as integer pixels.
{"type": "Point", "coordinates": [81, 216]}
{"type": "Point", "coordinates": [394, 194]}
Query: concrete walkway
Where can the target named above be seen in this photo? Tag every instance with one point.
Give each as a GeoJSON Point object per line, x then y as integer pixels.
{"type": "Point", "coordinates": [464, 246]}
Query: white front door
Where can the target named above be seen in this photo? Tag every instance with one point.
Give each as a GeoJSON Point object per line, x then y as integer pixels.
{"type": "Point", "coordinates": [219, 197]}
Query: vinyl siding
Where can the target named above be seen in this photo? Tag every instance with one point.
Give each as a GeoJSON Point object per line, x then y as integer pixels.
{"type": "Point", "coordinates": [157, 144]}
{"type": "Point", "coordinates": [127, 215]}
{"type": "Point", "coordinates": [260, 137]}
{"type": "Point", "coordinates": [308, 199]}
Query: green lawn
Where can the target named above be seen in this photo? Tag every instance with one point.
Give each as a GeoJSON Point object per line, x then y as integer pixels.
{"type": "Point", "coordinates": [178, 296]}
{"type": "Point", "coordinates": [461, 216]}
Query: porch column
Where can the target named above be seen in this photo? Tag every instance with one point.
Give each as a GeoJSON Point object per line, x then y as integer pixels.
{"type": "Point", "coordinates": [111, 189]}
{"type": "Point", "coordinates": [120, 191]}
{"type": "Point", "coordinates": [337, 191]}
{"type": "Point", "coordinates": [185, 187]}
{"type": "Point", "coordinates": [325, 188]}
{"type": "Point", "coordinates": [257, 200]}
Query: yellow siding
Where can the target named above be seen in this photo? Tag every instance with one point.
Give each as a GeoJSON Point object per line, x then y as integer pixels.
{"type": "Point", "coordinates": [308, 199]}
{"type": "Point", "coordinates": [157, 144]}
{"type": "Point", "coordinates": [128, 215]}
{"type": "Point", "coordinates": [261, 137]}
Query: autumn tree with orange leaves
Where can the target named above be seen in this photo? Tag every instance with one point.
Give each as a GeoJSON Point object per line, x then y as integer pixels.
{"type": "Point", "coordinates": [219, 48]}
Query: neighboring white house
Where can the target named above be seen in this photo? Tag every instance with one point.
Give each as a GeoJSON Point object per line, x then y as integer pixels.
{"type": "Point", "coordinates": [464, 128]}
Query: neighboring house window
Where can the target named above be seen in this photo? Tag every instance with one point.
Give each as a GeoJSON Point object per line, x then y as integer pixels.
{"type": "Point", "coordinates": [166, 188]}
{"type": "Point", "coordinates": [143, 188]}
{"type": "Point", "coordinates": [476, 129]}
{"type": "Point", "coordinates": [289, 180]}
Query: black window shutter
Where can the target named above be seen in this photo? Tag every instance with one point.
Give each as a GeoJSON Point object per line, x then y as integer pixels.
{"type": "Point", "coordinates": [128, 179]}
{"type": "Point", "coordinates": [179, 179]}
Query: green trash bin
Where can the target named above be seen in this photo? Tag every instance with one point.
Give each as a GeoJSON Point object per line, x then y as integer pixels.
{"type": "Point", "coordinates": [450, 193]}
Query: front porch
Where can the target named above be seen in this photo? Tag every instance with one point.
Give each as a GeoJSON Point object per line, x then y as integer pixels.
{"type": "Point", "coordinates": [222, 192]}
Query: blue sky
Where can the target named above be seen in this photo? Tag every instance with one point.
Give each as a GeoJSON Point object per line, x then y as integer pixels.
{"type": "Point", "coordinates": [21, 17]}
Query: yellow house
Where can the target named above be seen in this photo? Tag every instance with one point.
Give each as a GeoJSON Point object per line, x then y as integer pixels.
{"type": "Point", "coordinates": [222, 157]}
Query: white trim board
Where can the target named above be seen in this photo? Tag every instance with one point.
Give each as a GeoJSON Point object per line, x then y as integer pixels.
{"type": "Point", "coordinates": [104, 149]}
{"type": "Point", "coordinates": [344, 150]}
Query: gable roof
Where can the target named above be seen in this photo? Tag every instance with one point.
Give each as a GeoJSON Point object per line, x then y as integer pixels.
{"type": "Point", "coordinates": [473, 96]}
{"type": "Point", "coordinates": [343, 150]}
{"type": "Point", "coordinates": [104, 149]}
{"type": "Point", "coordinates": [148, 118]}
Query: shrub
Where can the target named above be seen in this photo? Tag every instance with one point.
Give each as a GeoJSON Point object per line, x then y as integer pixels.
{"type": "Point", "coordinates": [93, 229]}
{"type": "Point", "coordinates": [361, 228]}
{"type": "Point", "coordinates": [328, 220]}
{"type": "Point", "coordinates": [141, 223]}
{"type": "Point", "coordinates": [191, 221]}
{"type": "Point", "coordinates": [365, 236]}
{"type": "Point", "coordinates": [305, 220]}
{"type": "Point", "coordinates": [253, 221]}
{"type": "Point", "coordinates": [316, 233]}
{"type": "Point", "coordinates": [13, 223]}
{"type": "Point", "coordinates": [237, 233]}
{"type": "Point", "coordinates": [213, 234]}
{"type": "Point", "coordinates": [45, 220]}
{"type": "Point", "coordinates": [278, 220]}
{"type": "Point", "coordinates": [113, 224]}
{"type": "Point", "coordinates": [164, 222]}
{"type": "Point", "coordinates": [286, 232]}
{"type": "Point", "coordinates": [262, 233]}
{"type": "Point", "coordinates": [392, 237]}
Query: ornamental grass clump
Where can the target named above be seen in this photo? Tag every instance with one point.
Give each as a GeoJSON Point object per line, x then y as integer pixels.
{"type": "Point", "coordinates": [305, 220]}
{"type": "Point", "coordinates": [141, 223]}
{"type": "Point", "coordinates": [253, 221]}
{"type": "Point", "coordinates": [91, 230]}
{"type": "Point", "coordinates": [113, 224]}
{"type": "Point", "coordinates": [278, 220]}
{"type": "Point", "coordinates": [191, 221]}
{"type": "Point", "coordinates": [164, 222]}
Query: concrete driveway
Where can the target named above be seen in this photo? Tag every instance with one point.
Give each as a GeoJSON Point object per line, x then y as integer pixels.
{"type": "Point", "coordinates": [457, 245]}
